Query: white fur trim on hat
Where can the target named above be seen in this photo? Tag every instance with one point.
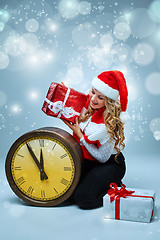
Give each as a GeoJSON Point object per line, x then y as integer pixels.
{"type": "Point", "coordinates": [105, 89]}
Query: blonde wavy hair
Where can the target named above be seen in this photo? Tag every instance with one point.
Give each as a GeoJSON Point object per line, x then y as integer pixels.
{"type": "Point", "coordinates": [112, 122]}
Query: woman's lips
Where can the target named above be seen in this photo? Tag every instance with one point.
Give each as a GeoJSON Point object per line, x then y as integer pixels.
{"type": "Point", "coordinates": [93, 104]}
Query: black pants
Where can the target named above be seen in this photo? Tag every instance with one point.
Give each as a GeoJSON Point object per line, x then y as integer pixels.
{"type": "Point", "coordinates": [95, 181]}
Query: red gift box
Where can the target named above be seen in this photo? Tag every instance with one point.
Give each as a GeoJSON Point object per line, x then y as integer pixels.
{"type": "Point", "coordinates": [63, 102]}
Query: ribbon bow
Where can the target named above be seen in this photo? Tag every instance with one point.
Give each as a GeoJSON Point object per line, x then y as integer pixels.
{"type": "Point", "coordinates": [116, 194]}
{"type": "Point", "coordinates": [58, 107]}
{"type": "Point", "coordinates": [122, 192]}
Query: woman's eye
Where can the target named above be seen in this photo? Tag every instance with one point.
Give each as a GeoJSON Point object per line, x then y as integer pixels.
{"type": "Point", "coordinates": [101, 98]}
{"type": "Point", "coordinates": [93, 92]}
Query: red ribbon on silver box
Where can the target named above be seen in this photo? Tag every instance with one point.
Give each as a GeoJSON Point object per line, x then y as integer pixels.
{"type": "Point", "coordinates": [116, 194]}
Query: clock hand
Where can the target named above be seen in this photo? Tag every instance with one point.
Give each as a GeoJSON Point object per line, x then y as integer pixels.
{"type": "Point", "coordinates": [41, 162]}
{"type": "Point", "coordinates": [36, 161]}
{"type": "Point", "coordinates": [43, 175]}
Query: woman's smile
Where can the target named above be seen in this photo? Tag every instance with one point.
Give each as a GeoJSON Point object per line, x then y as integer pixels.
{"type": "Point", "coordinates": [97, 99]}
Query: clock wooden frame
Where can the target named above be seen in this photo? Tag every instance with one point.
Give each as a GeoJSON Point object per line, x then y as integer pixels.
{"type": "Point", "coordinates": [64, 138]}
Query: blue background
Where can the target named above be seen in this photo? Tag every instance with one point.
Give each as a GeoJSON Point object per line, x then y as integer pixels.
{"type": "Point", "coordinates": [70, 42]}
{"type": "Point", "coordinates": [73, 41]}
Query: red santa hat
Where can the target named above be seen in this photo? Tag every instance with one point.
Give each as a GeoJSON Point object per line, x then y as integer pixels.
{"type": "Point", "coordinates": [112, 84]}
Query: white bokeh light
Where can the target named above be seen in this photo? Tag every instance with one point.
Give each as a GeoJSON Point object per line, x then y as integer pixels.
{"type": "Point", "coordinates": [4, 16]}
{"type": "Point", "coordinates": [84, 34]}
{"type": "Point", "coordinates": [141, 23]}
{"type": "Point", "coordinates": [1, 26]}
{"type": "Point", "coordinates": [40, 57]}
{"type": "Point", "coordinates": [99, 57]}
{"type": "Point", "coordinates": [31, 43]}
{"type": "Point", "coordinates": [132, 92]}
{"type": "Point", "coordinates": [3, 98]}
{"type": "Point", "coordinates": [143, 53]}
{"type": "Point", "coordinates": [155, 125]}
{"type": "Point", "coordinates": [33, 95]}
{"type": "Point", "coordinates": [155, 128]}
{"type": "Point", "coordinates": [106, 41]}
{"type": "Point", "coordinates": [33, 60]}
{"type": "Point", "coordinates": [121, 53]}
{"type": "Point", "coordinates": [4, 60]}
{"type": "Point", "coordinates": [32, 25]}
{"type": "Point", "coordinates": [122, 31]}
{"type": "Point", "coordinates": [74, 76]}
{"type": "Point", "coordinates": [52, 26]}
{"type": "Point", "coordinates": [16, 108]}
{"type": "Point", "coordinates": [68, 8]}
{"type": "Point", "coordinates": [15, 45]}
{"type": "Point", "coordinates": [156, 135]}
{"type": "Point", "coordinates": [155, 8]}
{"type": "Point", "coordinates": [153, 83]}
{"type": "Point", "coordinates": [84, 8]}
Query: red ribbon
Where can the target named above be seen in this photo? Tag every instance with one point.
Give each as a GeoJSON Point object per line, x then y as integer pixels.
{"type": "Point", "coordinates": [116, 194]}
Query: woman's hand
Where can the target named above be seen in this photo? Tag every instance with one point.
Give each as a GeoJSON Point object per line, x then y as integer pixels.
{"type": "Point", "coordinates": [75, 127]}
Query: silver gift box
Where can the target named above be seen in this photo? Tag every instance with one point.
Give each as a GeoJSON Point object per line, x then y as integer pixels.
{"type": "Point", "coordinates": [137, 209]}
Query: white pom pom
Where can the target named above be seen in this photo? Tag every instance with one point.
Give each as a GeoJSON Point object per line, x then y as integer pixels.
{"type": "Point", "coordinates": [124, 116]}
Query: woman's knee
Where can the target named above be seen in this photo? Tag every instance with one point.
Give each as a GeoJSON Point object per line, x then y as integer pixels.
{"type": "Point", "coordinates": [86, 199]}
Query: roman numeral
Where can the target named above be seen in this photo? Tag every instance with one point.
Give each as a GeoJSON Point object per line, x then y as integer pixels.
{"type": "Point", "coordinates": [67, 168]}
{"type": "Point", "coordinates": [41, 142]}
{"type": "Point", "coordinates": [43, 194]}
{"type": "Point", "coordinates": [63, 156]}
{"type": "Point", "coordinates": [18, 168]}
{"type": "Point", "coordinates": [19, 155]}
{"type": "Point", "coordinates": [30, 190]}
{"type": "Point", "coordinates": [64, 181]}
{"type": "Point", "coordinates": [55, 190]}
{"type": "Point", "coordinates": [54, 146]}
{"type": "Point", "coordinates": [21, 180]}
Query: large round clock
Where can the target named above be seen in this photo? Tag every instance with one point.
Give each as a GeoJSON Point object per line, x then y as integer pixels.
{"type": "Point", "coordinates": [43, 166]}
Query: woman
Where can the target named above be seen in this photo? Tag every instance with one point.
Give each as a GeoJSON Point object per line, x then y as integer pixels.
{"type": "Point", "coordinates": [100, 132]}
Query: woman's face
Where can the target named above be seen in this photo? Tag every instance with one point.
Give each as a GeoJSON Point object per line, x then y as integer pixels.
{"type": "Point", "coordinates": [97, 100]}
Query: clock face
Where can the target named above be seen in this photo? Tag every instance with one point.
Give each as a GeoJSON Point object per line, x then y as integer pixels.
{"type": "Point", "coordinates": [58, 166]}
{"type": "Point", "coordinates": [43, 166]}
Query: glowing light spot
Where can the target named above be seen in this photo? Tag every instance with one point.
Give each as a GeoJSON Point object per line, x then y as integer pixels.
{"type": "Point", "coordinates": [141, 23]}
{"type": "Point", "coordinates": [155, 125]}
{"type": "Point", "coordinates": [127, 16]}
{"type": "Point", "coordinates": [71, 76]}
{"type": "Point", "coordinates": [34, 59]}
{"type": "Point", "coordinates": [84, 7]}
{"type": "Point", "coordinates": [143, 54]}
{"type": "Point", "coordinates": [106, 41]}
{"type": "Point", "coordinates": [157, 135]}
{"type": "Point", "coordinates": [132, 92]}
{"type": "Point", "coordinates": [4, 60]}
{"type": "Point", "coordinates": [155, 8]}
{"type": "Point", "coordinates": [99, 57]}
{"type": "Point", "coordinates": [32, 25]}
{"type": "Point", "coordinates": [31, 43]}
{"type": "Point", "coordinates": [1, 26]}
{"type": "Point", "coordinates": [40, 57]}
{"type": "Point", "coordinates": [33, 95]}
{"type": "Point", "coordinates": [122, 31]}
{"type": "Point", "coordinates": [3, 98]}
{"type": "Point", "coordinates": [84, 34]}
{"type": "Point", "coordinates": [16, 108]}
{"type": "Point", "coordinates": [68, 8]}
{"type": "Point", "coordinates": [4, 16]}
{"type": "Point", "coordinates": [153, 83]}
